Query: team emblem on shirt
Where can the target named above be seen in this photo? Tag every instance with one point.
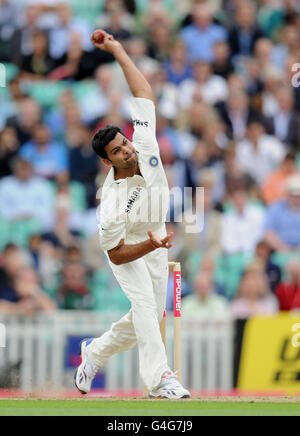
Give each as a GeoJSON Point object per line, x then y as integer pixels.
{"type": "Point", "coordinates": [154, 162]}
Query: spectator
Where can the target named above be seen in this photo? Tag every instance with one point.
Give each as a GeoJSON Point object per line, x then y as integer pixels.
{"type": "Point", "coordinates": [245, 32]}
{"type": "Point", "coordinates": [30, 293]}
{"type": "Point", "coordinates": [23, 36]}
{"type": "Point", "coordinates": [283, 219]}
{"type": "Point", "coordinates": [9, 147]}
{"type": "Point", "coordinates": [75, 64]}
{"type": "Point", "coordinates": [254, 296]}
{"type": "Point", "coordinates": [73, 293]}
{"type": "Point", "coordinates": [49, 159]}
{"type": "Point", "coordinates": [204, 222]}
{"type": "Point", "coordinates": [273, 272]}
{"type": "Point", "coordinates": [222, 65]}
{"type": "Point", "coordinates": [289, 75]}
{"type": "Point", "coordinates": [285, 123]}
{"type": "Point", "coordinates": [30, 298]}
{"type": "Point", "coordinates": [288, 46]}
{"type": "Point", "coordinates": [236, 113]}
{"type": "Point", "coordinates": [288, 293]}
{"type": "Point", "coordinates": [273, 189]}
{"type": "Point", "coordinates": [259, 154]}
{"type": "Point", "coordinates": [204, 304]}
{"type": "Point", "coordinates": [272, 81]}
{"type": "Point", "coordinates": [9, 21]}
{"type": "Point", "coordinates": [242, 226]}
{"type": "Point", "coordinates": [177, 67]}
{"type": "Point", "coordinates": [68, 217]}
{"type": "Point", "coordinates": [117, 27]}
{"type": "Point", "coordinates": [123, 7]}
{"type": "Point", "coordinates": [12, 261]}
{"type": "Point", "coordinates": [263, 51]}
{"type": "Point", "coordinates": [97, 103]}
{"type": "Point", "coordinates": [20, 292]}
{"type": "Point", "coordinates": [60, 37]}
{"type": "Point", "coordinates": [23, 196]}
{"type": "Point", "coordinates": [161, 38]}
{"type": "Point", "coordinates": [212, 89]}
{"type": "Point", "coordinates": [39, 64]}
{"type": "Point", "coordinates": [84, 165]}
{"type": "Point", "coordinates": [202, 34]}
{"type": "Point", "coordinates": [232, 175]}
{"type": "Point", "coordinates": [28, 115]}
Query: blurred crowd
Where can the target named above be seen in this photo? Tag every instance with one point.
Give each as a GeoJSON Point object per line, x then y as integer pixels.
{"type": "Point", "coordinates": [226, 78]}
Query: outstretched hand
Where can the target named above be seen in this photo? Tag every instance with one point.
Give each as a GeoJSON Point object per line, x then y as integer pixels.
{"type": "Point", "coordinates": [109, 44]}
{"type": "Point", "coordinates": [161, 243]}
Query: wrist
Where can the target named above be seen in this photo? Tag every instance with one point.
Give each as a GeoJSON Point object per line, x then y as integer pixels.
{"type": "Point", "coordinates": [118, 51]}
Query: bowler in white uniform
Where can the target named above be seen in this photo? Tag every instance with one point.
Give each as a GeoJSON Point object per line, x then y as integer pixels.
{"type": "Point", "coordinates": [134, 206]}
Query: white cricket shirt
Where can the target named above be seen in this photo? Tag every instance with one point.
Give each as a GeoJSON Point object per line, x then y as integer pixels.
{"type": "Point", "coordinates": [132, 206]}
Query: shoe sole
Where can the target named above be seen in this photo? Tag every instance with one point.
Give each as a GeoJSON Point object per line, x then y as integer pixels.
{"type": "Point", "coordinates": [161, 397]}
{"type": "Point", "coordinates": [75, 375]}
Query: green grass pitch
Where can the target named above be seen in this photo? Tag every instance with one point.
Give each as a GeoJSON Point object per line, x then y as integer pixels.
{"type": "Point", "coordinates": [136, 407]}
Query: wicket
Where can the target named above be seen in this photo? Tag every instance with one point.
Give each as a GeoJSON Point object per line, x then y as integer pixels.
{"type": "Point", "coordinates": [177, 321]}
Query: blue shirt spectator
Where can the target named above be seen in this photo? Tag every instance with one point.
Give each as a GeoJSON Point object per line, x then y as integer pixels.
{"type": "Point", "coordinates": [201, 36]}
{"type": "Point", "coordinates": [282, 224]}
{"type": "Point", "coordinates": [49, 159]}
{"type": "Point", "coordinates": [177, 77]}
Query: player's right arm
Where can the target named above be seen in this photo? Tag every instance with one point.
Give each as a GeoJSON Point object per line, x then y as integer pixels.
{"type": "Point", "coordinates": [128, 253]}
{"type": "Point", "coordinates": [137, 83]}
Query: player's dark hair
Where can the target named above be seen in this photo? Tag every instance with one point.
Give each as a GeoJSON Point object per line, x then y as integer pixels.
{"type": "Point", "coordinates": [103, 137]}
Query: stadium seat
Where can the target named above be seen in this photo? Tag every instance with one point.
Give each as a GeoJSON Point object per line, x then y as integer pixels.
{"type": "Point", "coordinates": [11, 71]}
{"type": "Point", "coordinates": [89, 13]}
{"type": "Point", "coordinates": [21, 231]}
{"type": "Point", "coordinates": [107, 297]}
{"type": "Point", "coordinates": [47, 94]}
{"type": "Point", "coordinates": [228, 269]}
{"type": "Point", "coordinates": [4, 233]}
{"type": "Point", "coordinates": [78, 195]}
{"type": "Point", "coordinates": [81, 89]}
{"type": "Point", "coordinates": [282, 259]}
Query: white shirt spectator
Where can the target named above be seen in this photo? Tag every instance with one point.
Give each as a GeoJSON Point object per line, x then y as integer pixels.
{"type": "Point", "coordinates": [33, 198]}
{"type": "Point", "coordinates": [242, 232]}
{"type": "Point", "coordinates": [261, 161]}
{"type": "Point", "coordinates": [213, 91]}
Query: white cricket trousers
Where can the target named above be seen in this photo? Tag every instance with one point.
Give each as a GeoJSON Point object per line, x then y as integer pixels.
{"type": "Point", "coordinates": [144, 282]}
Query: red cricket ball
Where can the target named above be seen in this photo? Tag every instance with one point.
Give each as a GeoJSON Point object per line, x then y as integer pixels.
{"type": "Point", "coordinates": [98, 36]}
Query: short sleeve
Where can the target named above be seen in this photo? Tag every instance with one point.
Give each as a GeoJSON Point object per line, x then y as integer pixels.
{"type": "Point", "coordinates": [144, 122]}
{"type": "Point", "coordinates": [111, 234]}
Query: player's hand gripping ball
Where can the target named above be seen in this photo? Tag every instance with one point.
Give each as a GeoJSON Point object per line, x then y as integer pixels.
{"type": "Point", "coordinates": [98, 36]}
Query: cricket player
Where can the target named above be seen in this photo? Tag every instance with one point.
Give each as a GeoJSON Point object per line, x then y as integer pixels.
{"type": "Point", "coordinates": [137, 249]}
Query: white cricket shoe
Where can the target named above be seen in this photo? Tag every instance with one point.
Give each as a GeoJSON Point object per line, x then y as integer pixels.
{"type": "Point", "coordinates": [169, 388]}
{"type": "Point", "coordinates": [88, 369]}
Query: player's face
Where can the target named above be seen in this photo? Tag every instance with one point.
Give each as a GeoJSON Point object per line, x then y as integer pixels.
{"type": "Point", "coordinates": [121, 153]}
